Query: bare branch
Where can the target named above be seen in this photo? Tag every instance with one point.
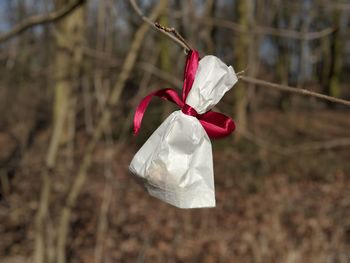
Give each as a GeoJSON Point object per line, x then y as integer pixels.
{"type": "Point", "coordinates": [169, 32]}
{"type": "Point", "coordinates": [304, 92]}
{"type": "Point", "coordinates": [163, 75]}
{"type": "Point", "coordinates": [40, 20]}
{"type": "Point", "coordinates": [294, 34]}
{"type": "Point", "coordinates": [176, 82]}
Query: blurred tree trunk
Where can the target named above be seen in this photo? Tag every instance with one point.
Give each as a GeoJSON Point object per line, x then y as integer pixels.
{"type": "Point", "coordinates": [164, 42]}
{"type": "Point", "coordinates": [67, 66]}
{"type": "Point", "coordinates": [210, 30]}
{"type": "Point", "coordinates": [253, 59]}
{"type": "Point", "coordinates": [24, 40]}
{"type": "Point", "coordinates": [283, 58]}
{"type": "Point", "coordinates": [282, 73]}
{"type": "Point", "coordinates": [69, 38]}
{"type": "Point", "coordinates": [79, 180]}
{"type": "Point", "coordinates": [336, 56]}
{"type": "Point", "coordinates": [100, 85]}
{"type": "Point", "coordinates": [325, 65]}
{"type": "Point", "coordinates": [306, 21]}
{"type": "Point", "coordinates": [188, 26]}
{"type": "Point", "coordinates": [245, 18]}
{"type": "Point", "coordinates": [104, 44]}
{"type": "Point", "coordinates": [180, 24]}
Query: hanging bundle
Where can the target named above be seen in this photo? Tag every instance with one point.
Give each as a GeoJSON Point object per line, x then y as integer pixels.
{"type": "Point", "coordinates": [176, 163]}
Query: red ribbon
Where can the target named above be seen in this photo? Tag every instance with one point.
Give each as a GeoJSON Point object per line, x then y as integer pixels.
{"type": "Point", "coordinates": [217, 125]}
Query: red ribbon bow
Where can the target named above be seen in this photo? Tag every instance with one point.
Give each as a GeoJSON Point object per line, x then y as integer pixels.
{"type": "Point", "coordinates": [217, 125]}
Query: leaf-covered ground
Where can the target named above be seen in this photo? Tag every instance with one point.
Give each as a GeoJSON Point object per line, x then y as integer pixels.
{"type": "Point", "coordinates": [279, 199]}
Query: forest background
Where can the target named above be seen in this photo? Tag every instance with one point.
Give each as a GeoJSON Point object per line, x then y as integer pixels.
{"type": "Point", "coordinates": [72, 73]}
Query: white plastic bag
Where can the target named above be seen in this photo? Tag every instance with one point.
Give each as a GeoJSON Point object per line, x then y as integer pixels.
{"type": "Point", "coordinates": [176, 163]}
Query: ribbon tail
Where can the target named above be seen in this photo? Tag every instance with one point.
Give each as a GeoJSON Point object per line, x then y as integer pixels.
{"type": "Point", "coordinates": [217, 125]}
{"type": "Point", "coordinates": [167, 94]}
{"type": "Point", "coordinates": [190, 72]}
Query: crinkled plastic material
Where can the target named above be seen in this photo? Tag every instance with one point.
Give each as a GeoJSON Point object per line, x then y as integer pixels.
{"type": "Point", "coordinates": [176, 163]}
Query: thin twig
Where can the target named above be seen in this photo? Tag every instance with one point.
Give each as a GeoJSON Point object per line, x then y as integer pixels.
{"type": "Point", "coordinates": [304, 92]}
{"type": "Point", "coordinates": [169, 32]}
{"type": "Point", "coordinates": [40, 20]}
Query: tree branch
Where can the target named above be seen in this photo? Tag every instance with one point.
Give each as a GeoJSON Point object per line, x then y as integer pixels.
{"type": "Point", "coordinates": [40, 20]}
{"type": "Point", "coordinates": [304, 92]}
{"type": "Point", "coordinates": [169, 32]}
{"type": "Point", "coordinates": [178, 39]}
{"type": "Point", "coordinates": [176, 82]}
